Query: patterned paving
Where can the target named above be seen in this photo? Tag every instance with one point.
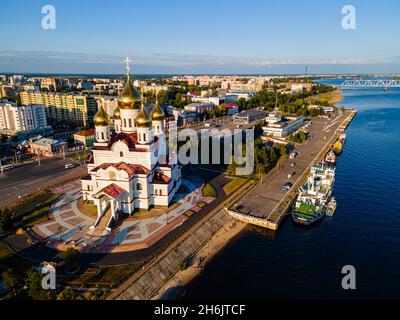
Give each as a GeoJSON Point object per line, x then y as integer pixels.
{"type": "Point", "coordinates": [69, 226]}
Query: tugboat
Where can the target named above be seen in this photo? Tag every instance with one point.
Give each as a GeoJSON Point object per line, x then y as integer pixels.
{"type": "Point", "coordinates": [311, 203]}
{"type": "Point", "coordinates": [330, 157]}
{"type": "Point", "coordinates": [331, 208]}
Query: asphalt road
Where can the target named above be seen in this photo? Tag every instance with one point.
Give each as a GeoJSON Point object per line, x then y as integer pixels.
{"type": "Point", "coordinates": [27, 177]}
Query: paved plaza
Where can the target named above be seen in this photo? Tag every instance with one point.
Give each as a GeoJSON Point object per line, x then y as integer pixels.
{"type": "Point", "coordinates": [69, 226]}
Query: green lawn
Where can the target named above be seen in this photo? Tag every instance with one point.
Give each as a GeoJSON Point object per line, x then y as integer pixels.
{"type": "Point", "coordinates": [111, 277]}
{"type": "Point", "coordinates": [9, 259]}
{"type": "Point", "coordinates": [39, 213]}
{"type": "Point", "coordinates": [234, 185]}
{"type": "Point", "coordinates": [209, 190]}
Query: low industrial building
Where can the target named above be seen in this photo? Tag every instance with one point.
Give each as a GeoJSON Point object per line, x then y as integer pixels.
{"type": "Point", "coordinates": [47, 147]}
{"type": "Point", "coordinates": [245, 117]}
{"type": "Point", "coordinates": [199, 107]}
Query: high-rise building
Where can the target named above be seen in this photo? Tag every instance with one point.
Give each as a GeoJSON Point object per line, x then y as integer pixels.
{"type": "Point", "coordinates": [21, 118]}
{"type": "Point", "coordinates": [63, 107]}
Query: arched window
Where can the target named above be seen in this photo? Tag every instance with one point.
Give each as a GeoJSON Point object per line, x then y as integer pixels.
{"type": "Point", "coordinates": [102, 135]}
{"type": "Point", "coordinates": [124, 122]}
{"type": "Point", "coordinates": [144, 137]}
{"type": "Point", "coordinates": [158, 129]}
{"type": "Point", "coordinates": [160, 192]}
{"type": "Point", "coordinates": [121, 154]}
{"type": "Point", "coordinates": [139, 186]}
{"type": "Point", "coordinates": [130, 123]}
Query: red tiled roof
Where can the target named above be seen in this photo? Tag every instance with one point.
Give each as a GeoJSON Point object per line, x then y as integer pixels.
{"type": "Point", "coordinates": [160, 178]}
{"type": "Point", "coordinates": [130, 139]}
{"type": "Point", "coordinates": [131, 169]}
{"type": "Point", "coordinates": [86, 133]}
{"type": "Point", "coordinates": [112, 190]}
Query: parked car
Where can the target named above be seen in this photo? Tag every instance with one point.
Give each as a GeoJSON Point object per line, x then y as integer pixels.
{"type": "Point", "coordinates": [70, 165]}
{"type": "Point", "coordinates": [287, 186]}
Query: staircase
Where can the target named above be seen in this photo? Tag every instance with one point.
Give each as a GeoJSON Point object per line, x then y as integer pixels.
{"type": "Point", "coordinates": [101, 227]}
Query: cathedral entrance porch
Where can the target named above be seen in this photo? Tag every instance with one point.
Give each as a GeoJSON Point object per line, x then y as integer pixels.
{"type": "Point", "coordinates": [109, 207]}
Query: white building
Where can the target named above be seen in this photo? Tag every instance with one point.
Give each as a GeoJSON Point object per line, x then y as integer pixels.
{"type": "Point", "coordinates": [278, 126]}
{"type": "Point", "coordinates": [21, 118]}
{"type": "Point", "coordinates": [214, 100]}
{"type": "Point", "coordinates": [199, 107]}
{"type": "Point", "coordinates": [130, 167]}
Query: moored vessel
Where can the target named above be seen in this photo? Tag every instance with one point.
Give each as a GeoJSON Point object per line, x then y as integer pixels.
{"type": "Point", "coordinates": [331, 208]}
{"type": "Point", "coordinates": [337, 147]}
{"type": "Point", "coordinates": [330, 157]}
{"type": "Point", "coordinates": [311, 203]}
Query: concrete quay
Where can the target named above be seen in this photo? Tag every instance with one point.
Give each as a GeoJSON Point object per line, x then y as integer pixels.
{"type": "Point", "coordinates": [266, 204]}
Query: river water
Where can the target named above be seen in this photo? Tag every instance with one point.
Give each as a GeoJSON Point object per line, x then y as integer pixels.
{"type": "Point", "coordinates": [306, 263]}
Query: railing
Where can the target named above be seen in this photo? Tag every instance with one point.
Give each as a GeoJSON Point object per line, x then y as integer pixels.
{"type": "Point", "coordinates": [371, 83]}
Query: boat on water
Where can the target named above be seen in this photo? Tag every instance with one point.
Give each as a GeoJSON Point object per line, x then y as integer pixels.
{"type": "Point", "coordinates": [330, 157]}
{"type": "Point", "coordinates": [342, 137]}
{"type": "Point", "coordinates": [312, 201]}
{"type": "Point", "coordinates": [331, 208]}
{"type": "Point", "coordinates": [337, 147]}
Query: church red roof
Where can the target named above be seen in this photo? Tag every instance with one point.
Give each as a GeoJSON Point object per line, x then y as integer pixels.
{"type": "Point", "coordinates": [131, 169]}
{"type": "Point", "coordinates": [130, 139]}
{"type": "Point", "coordinates": [160, 178]}
{"type": "Point", "coordinates": [112, 190]}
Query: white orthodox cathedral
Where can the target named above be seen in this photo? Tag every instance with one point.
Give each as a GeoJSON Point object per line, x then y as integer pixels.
{"type": "Point", "coordinates": [125, 170]}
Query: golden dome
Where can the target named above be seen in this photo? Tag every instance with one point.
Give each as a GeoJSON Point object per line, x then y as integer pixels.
{"type": "Point", "coordinates": [117, 114]}
{"type": "Point", "coordinates": [143, 120]}
{"type": "Point", "coordinates": [158, 113]}
{"type": "Point", "coordinates": [100, 118]}
{"type": "Point", "coordinates": [130, 97]}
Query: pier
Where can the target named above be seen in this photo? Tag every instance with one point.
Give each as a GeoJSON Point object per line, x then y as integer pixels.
{"type": "Point", "coordinates": [265, 204]}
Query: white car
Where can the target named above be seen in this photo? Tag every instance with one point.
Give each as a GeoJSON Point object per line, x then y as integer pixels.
{"type": "Point", "coordinates": [69, 166]}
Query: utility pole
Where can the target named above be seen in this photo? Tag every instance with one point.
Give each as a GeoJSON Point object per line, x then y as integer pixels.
{"type": "Point", "coordinates": [1, 167]}
{"type": "Point", "coordinates": [38, 156]}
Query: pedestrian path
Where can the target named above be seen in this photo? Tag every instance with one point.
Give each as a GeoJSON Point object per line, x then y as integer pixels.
{"type": "Point", "coordinates": [68, 226]}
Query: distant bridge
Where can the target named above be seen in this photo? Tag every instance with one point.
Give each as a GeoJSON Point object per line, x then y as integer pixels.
{"type": "Point", "coordinates": [372, 83]}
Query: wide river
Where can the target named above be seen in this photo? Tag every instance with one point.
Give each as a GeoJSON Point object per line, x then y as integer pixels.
{"type": "Point", "coordinates": [306, 263]}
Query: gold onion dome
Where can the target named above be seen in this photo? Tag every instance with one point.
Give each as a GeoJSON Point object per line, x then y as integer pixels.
{"type": "Point", "coordinates": [158, 113]}
{"type": "Point", "coordinates": [117, 114]}
{"type": "Point", "coordinates": [130, 97]}
{"type": "Point", "coordinates": [100, 118]}
{"type": "Point", "coordinates": [143, 120]}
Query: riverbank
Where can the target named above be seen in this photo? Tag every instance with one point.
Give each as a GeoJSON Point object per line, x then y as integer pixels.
{"type": "Point", "coordinates": [328, 98]}
{"type": "Point", "coordinates": [175, 287]}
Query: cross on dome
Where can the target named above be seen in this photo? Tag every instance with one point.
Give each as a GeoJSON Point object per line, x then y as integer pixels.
{"type": "Point", "coordinates": [128, 67]}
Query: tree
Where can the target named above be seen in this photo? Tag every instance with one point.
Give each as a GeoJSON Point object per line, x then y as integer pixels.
{"type": "Point", "coordinates": [68, 294]}
{"type": "Point", "coordinates": [11, 280]}
{"type": "Point", "coordinates": [35, 289]}
{"type": "Point", "coordinates": [70, 256]}
{"type": "Point", "coordinates": [6, 220]}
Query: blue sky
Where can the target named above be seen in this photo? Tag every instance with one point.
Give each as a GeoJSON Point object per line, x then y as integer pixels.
{"type": "Point", "coordinates": [219, 36]}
